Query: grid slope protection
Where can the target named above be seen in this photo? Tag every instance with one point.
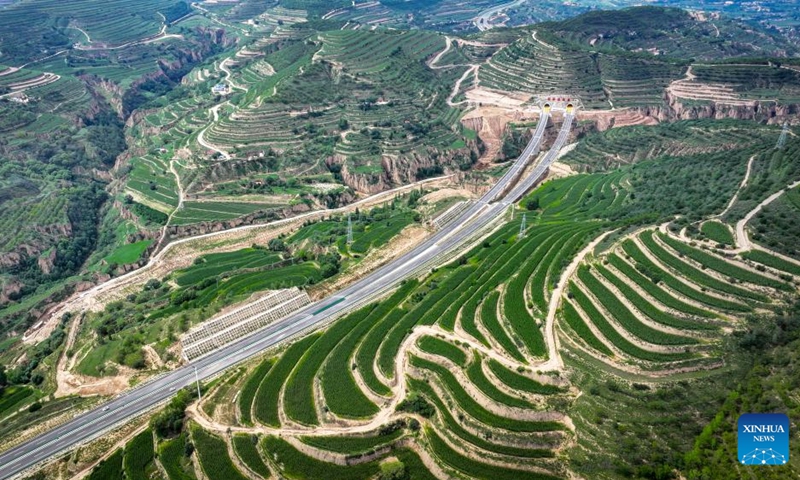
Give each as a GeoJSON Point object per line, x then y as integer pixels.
{"type": "Point", "coordinates": [218, 332]}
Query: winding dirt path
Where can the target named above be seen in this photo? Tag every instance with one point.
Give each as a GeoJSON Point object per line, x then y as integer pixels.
{"type": "Point", "coordinates": [742, 240]}
{"type": "Point", "coordinates": [88, 38]}
{"type": "Point", "coordinates": [741, 186]}
{"type": "Point", "coordinates": [228, 74]}
{"type": "Point", "coordinates": [181, 196]}
{"type": "Point", "coordinates": [201, 136]}
{"type": "Point", "coordinates": [555, 361]}
{"type": "Point", "coordinates": [94, 298]}
{"type": "Point", "coordinates": [387, 410]}
{"type": "Point", "coordinates": [202, 141]}
{"type": "Point", "coordinates": [457, 86]}
{"type": "Point", "coordinates": [434, 62]}
{"type": "Point", "coordinates": [214, 111]}
{"type": "Point", "coordinates": [161, 35]}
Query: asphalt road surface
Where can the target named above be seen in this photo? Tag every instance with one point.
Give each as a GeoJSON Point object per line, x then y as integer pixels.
{"type": "Point", "coordinates": [92, 424]}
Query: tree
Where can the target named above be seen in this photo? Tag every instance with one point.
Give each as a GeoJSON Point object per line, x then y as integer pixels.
{"type": "Point", "coordinates": [393, 470]}
{"type": "Point", "coordinates": [532, 204]}
{"type": "Point", "coordinates": [169, 421]}
{"type": "Point", "coordinates": [329, 270]}
{"type": "Point", "coordinates": [277, 245]}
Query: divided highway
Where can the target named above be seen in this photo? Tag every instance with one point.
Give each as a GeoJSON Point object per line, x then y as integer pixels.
{"type": "Point", "coordinates": [92, 424]}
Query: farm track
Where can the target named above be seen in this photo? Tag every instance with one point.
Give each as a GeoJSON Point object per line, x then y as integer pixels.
{"type": "Point", "coordinates": [741, 186]}
{"type": "Point", "coordinates": [172, 256]}
{"type": "Point", "coordinates": [161, 35]}
{"type": "Point", "coordinates": [742, 240]}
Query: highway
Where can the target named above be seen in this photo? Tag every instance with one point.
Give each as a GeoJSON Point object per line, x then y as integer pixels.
{"type": "Point", "coordinates": [483, 18]}
{"type": "Point", "coordinates": [92, 424]}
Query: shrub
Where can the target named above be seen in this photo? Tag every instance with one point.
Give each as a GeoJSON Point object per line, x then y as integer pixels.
{"type": "Point", "coordinates": [416, 404]}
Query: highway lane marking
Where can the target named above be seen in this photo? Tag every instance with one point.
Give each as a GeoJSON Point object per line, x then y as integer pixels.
{"type": "Point", "coordinates": [111, 411]}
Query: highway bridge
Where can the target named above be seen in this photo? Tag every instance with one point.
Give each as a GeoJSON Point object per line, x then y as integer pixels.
{"type": "Point", "coordinates": [468, 226]}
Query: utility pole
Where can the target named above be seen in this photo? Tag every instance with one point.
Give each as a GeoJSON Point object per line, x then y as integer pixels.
{"type": "Point", "coordinates": [349, 229]}
{"type": "Point", "coordinates": [782, 138]}
{"type": "Point", "coordinates": [197, 381]}
{"type": "Point", "coordinates": [522, 226]}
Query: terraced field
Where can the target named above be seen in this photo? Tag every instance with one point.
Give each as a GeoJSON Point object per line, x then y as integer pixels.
{"type": "Point", "coordinates": [459, 372]}
{"type": "Point", "coordinates": [620, 146]}
{"type": "Point", "coordinates": [465, 376]}
{"type": "Point", "coordinates": [533, 66]}
{"type": "Point", "coordinates": [116, 23]}
{"type": "Point", "coordinates": [756, 81]}
{"type": "Point", "coordinates": [654, 300]}
{"type": "Point", "coordinates": [454, 371]}
{"type": "Point", "coordinates": [361, 96]}
{"type": "Point", "coordinates": [152, 184]}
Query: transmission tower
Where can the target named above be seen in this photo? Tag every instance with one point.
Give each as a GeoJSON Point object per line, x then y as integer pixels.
{"type": "Point", "coordinates": [522, 226]}
{"type": "Point", "coordinates": [782, 138]}
{"type": "Point", "coordinates": [349, 229]}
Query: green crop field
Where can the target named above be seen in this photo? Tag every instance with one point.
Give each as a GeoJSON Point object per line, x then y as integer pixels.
{"type": "Point", "coordinates": [213, 455]}
{"type": "Point", "coordinates": [657, 274]}
{"type": "Point", "coordinates": [613, 336]}
{"type": "Point", "coordinates": [443, 348]}
{"type": "Point", "coordinates": [297, 465]}
{"type": "Point", "coordinates": [772, 261]}
{"type": "Point", "coordinates": [265, 404]}
{"type": "Point", "coordinates": [653, 289]}
{"type": "Point", "coordinates": [299, 392]}
{"type": "Point", "coordinates": [352, 445]}
{"type": "Point", "coordinates": [13, 397]}
{"type": "Point", "coordinates": [717, 232]}
{"type": "Point", "coordinates": [129, 253]}
{"type": "Point", "coordinates": [172, 458]}
{"type": "Point", "coordinates": [248, 391]}
{"type": "Point", "coordinates": [645, 306]}
{"type": "Point", "coordinates": [726, 268]}
{"type": "Point", "coordinates": [578, 325]}
{"type": "Point", "coordinates": [139, 454]}
{"type": "Point", "coordinates": [474, 468]}
{"type": "Point", "coordinates": [475, 409]}
{"type": "Point", "coordinates": [109, 469]}
{"type": "Point", "coordinates": [695, 273]}
{"type": "Point", "coordinates": [209, 266]}
{"type": "Point", "coordinates": [477, 376]}
{"type": "Point", "coordinates": [246, 448]}
{"type": "Point", "coordinates": [624, 316]}
{"type": "Point", "coordinates": [342, 394]}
